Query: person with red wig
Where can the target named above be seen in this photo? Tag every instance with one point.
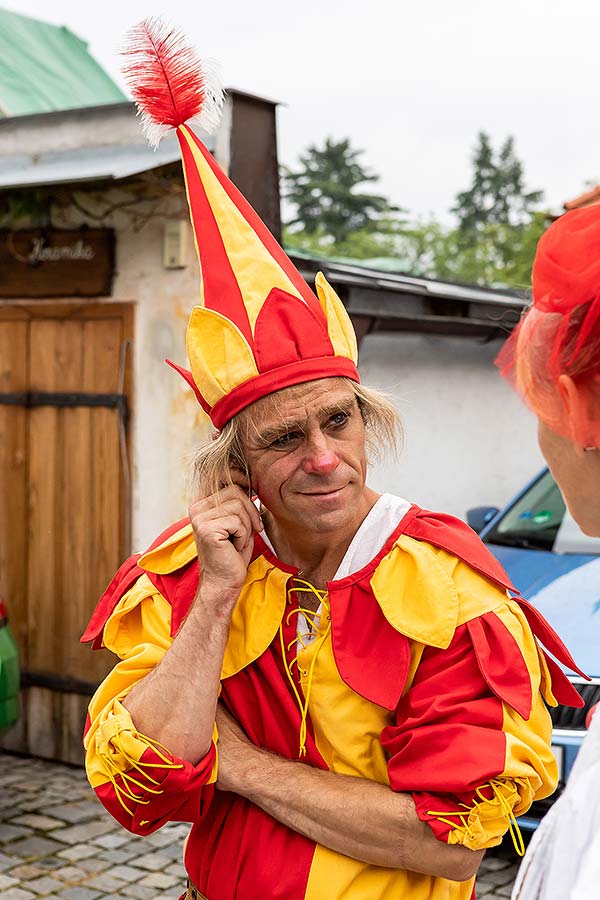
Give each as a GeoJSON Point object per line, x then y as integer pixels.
{"type": "Point", "coordinates": [553, 361]}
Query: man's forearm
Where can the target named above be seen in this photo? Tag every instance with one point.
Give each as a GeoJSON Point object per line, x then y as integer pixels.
{"type": "Point", "coordinates": [175, 703]}
{"type": "Point", "coordinates": [353, 816]}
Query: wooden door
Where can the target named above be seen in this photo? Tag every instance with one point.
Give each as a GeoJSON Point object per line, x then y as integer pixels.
{"type": "Point", "coordinates": [64, 487]}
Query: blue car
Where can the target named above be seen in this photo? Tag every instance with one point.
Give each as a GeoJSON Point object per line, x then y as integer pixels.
{"type": "Point", "coordinates": [557, 568]}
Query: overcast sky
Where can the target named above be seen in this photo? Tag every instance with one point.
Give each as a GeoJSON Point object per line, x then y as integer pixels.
{"type": "Point", "coordinates": [411, 83]}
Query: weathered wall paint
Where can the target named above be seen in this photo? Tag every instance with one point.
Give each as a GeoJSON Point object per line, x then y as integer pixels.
{"type": "Point", "coordinates": [469, 441]}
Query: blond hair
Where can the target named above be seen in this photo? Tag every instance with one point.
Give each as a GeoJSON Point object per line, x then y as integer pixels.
{"type": "Point", "coordinates": [215, 460]}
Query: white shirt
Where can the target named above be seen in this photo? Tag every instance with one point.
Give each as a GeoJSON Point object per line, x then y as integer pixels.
{"type": "Point", "coordinates": [563, 859]}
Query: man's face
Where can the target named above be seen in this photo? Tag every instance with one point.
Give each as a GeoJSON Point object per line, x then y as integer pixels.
{"type": "Point", "coordinates": [305, 447]}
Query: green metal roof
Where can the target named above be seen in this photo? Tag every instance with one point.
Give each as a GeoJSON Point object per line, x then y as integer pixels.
{"type": "Point", "coordinates": [46, 67]}
{"type": "Point", "coordinates": [380, 263]}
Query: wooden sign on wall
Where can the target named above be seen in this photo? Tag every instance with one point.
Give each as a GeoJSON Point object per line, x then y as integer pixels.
{"type": "Point", "coordinates": [54, 263]}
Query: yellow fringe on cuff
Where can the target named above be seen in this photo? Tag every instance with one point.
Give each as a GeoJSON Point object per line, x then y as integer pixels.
{"type": "Point", "coordinates": [112, 739]}
{"type": "Point", "coordinates": [486, 819]}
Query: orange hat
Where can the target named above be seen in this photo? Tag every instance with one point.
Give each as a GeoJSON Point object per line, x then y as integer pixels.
{"type": "Point", "coordinates": [260, 327]}
{"type": "Point", "coordinates": [560, 334]}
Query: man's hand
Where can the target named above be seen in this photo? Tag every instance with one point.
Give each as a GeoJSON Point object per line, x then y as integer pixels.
{"type": "Point", "coordinates": [175, 703]}
{"type": "Point", "coordinates": [224, 527]}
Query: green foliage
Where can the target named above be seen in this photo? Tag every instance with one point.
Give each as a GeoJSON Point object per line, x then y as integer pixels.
{"type": "Point", "coordinates": [325, 194]}
{"type": "Point", "coordinates": [493, 241]}
{"type": "Point", "coordinates": [498, 255]}
{"type": "Point", "coordinates": [497, 194]}
{"type": "Point", "coordinates": [362, 243]}
{"type": "Point", "coordinates": [24, 209]}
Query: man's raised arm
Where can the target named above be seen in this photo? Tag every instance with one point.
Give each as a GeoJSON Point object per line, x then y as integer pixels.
{"type": "Point", "coordinates": [175, 703]}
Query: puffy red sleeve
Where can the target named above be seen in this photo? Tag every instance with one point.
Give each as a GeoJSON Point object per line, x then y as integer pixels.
{"type": "Point", "coordinates": [471, 738]}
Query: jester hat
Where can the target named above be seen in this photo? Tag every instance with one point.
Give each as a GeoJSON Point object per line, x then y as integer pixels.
{"type": "Point", "coordinates": [260, 327]}
{"type": "Point", "coordinates": [560, 333]}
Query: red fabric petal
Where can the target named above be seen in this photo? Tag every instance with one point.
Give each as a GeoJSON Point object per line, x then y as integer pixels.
{"type": "Point", "coordinates": [548, 637]}
{"type": "Point", "coordinates": [562, 688]}
{"type": "Point", "coordinates": [124, 579]}
{"type": "Point", "coordinates": [189, 379]}
{"type": "Point", "coordinates": [371, 656]}
{"type": "Point", "coordinates": [179, 589]}
{"type": "Point", "coordinates": [501, 662]}
{"type": "Point", "coordinates": [287, 330]}
{"type": "Point", "coordinates": [454, 536]}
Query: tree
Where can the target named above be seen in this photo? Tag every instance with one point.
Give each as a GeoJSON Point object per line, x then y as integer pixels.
{"type": "Point", "coordinates": [497, 194]}
{"type": "Point", "coordinates": [497, 255]}
{"type": "Point", "coordinates": [324, 191]}
{"type": "Point", "coordinates": [362, 243]}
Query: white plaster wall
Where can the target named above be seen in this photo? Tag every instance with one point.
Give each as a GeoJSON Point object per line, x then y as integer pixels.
{"type": "Point", "coordinates": [167, 422]}
{"type": "Point", "coordinates": [468, 439]}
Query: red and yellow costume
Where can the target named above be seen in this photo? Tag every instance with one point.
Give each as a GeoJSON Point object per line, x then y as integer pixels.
{"type": "Point", "coordinates": [424, 674]}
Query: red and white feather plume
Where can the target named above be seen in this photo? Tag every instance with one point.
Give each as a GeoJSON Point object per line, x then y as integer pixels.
{"type": "Point", "coordinates": [168, 81]}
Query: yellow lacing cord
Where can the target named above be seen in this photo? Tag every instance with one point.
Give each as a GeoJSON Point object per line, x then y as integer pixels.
{"type": "Point", "coordinates": [441, 817]}
{"type": "Point", "coordinates": [310, 616]}
{"type": "Point", "coordinates": [112, 768]}
{"type": "Point", "coordinates": [513, 825]}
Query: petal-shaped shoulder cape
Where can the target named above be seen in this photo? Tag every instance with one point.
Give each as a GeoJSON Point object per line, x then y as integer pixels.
{"type": "Point", "coordinates": [408, 592]}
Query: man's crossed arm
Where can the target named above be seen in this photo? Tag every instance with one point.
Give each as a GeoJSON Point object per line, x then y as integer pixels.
{"type": "Point", "coordinates": [354, 816]}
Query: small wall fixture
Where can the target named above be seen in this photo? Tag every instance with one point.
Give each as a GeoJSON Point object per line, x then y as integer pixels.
{"type": "Point", "coordinates": [175, 244]}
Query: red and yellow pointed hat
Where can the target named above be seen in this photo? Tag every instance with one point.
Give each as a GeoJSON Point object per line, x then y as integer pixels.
{"type": "Point", "coordinates": [260, 327]}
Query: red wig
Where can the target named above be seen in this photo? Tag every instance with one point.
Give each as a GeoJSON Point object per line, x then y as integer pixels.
{"type": "Point", "coordinates": [560, 333]}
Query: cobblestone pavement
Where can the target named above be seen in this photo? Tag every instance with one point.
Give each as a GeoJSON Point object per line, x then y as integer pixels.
{"type": "Point", "coordinates": [56, 841]}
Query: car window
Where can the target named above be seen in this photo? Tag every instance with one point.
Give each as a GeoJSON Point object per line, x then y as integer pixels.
{"type": "Point", "coordinates": [534, 520]}
{"type": "Point", "coordinates": [571, 539]}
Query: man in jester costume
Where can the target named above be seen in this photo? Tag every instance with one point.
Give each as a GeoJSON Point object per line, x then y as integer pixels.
{"type": "Point", "coordinates": [342, 693]}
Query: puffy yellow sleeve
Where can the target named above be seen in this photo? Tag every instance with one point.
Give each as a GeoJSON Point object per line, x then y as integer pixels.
{"type": "Point", "coordinates": [138, 780]}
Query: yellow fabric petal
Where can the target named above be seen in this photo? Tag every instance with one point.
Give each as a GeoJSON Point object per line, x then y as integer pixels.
{"type": "Point", "coordinates": [546, 680]}
{"type": "Point", "coordinates": [219, 354]}
{"type": "Point", "coordinates": [416, 594]}
{"type": "Point", "coordinates": [529, 756]}
{"type": "Point", "coordinates": [339, 326]}
{"type": "Point", "coordinates": [426, 593]}
{"type": "Point", "coordinates": [258, 611]}
{"type": "Point", "coordinates": [139, 627]}
{"type": "Point", "coordinates": [174, 553]}
{"type": "Point", "coordinates": [256, 615]}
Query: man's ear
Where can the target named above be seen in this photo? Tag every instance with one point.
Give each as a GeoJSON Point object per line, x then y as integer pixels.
{"type": "Point", "coordinates": [581, 407]}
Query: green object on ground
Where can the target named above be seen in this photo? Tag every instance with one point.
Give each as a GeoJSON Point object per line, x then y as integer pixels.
{"type": "Point", "coordinates": [9, 675]}
{"type": "Point", "coordinates": [46, 67]}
